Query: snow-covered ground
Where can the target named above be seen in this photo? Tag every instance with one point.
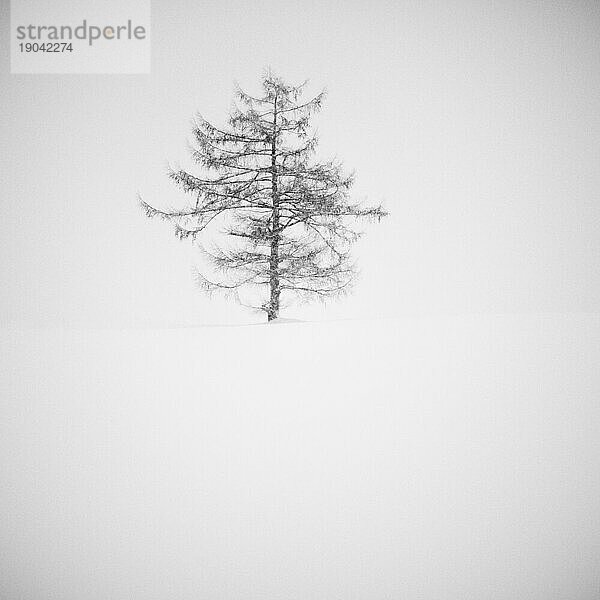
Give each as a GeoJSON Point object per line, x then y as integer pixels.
{"type": "Point", "coordinates": [445, 458]}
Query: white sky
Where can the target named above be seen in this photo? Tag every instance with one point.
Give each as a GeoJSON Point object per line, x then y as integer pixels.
{"type": "Point", "coordinates": [476, 123]}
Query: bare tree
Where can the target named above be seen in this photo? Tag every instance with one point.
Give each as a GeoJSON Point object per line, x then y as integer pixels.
{"type": "Point", "coordinates": [286, 216]}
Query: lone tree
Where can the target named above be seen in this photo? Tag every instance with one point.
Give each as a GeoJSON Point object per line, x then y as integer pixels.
{"type": "Point", "coordinates": [286, 216]}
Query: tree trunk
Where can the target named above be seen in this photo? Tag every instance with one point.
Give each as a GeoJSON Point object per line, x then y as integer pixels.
{"type": "Point", "coordinates": [273, 311]}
